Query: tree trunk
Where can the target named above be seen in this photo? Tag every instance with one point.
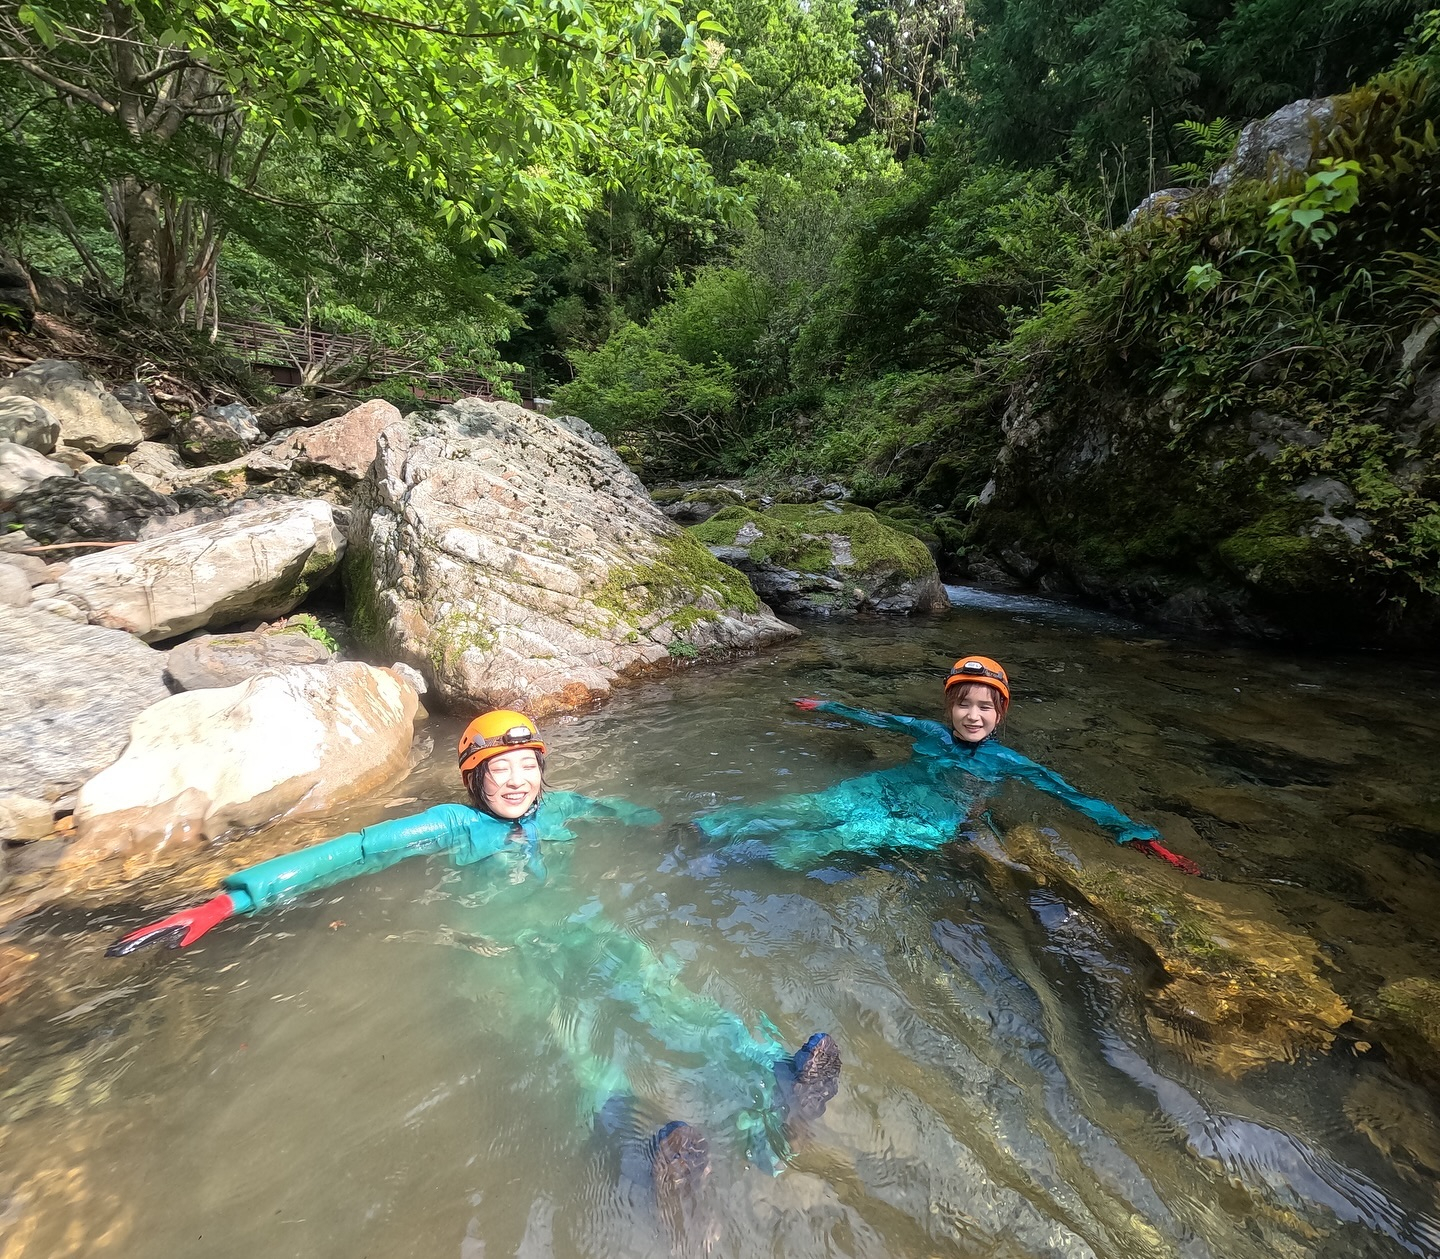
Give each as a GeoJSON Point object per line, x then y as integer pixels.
{"type": "Point", "coordinates": [140, 226]}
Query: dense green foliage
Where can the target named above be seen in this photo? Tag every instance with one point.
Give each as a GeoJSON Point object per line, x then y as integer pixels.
{"type": "Point", "coordinates": [1251, 314]}
{"type": "Point", "coordinates": [853, 238]}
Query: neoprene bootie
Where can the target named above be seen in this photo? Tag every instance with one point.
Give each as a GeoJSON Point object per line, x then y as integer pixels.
{"type": "Point", "coordinates": [810, 1079]}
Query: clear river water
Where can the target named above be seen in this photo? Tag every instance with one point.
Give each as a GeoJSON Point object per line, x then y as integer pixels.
{"type": "Point", "coordinates": [389, 1067]}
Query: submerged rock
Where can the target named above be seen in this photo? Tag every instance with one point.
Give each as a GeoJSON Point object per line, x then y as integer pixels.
{"type": "Point", "coordinates": [215, 660]}
{"type": "Point", "coordinates": [205, 764]}
{"type": "Point", "coordinates": [1243, 989]}
{"type": "Point", "coordinates": [1406, 1018]}
{"type": "Point", "coordinates": [258, 564]}
{"type": "Point", "coordinates": [514, 559]}
{"type": "Point", "coordinates": [825, 559]}
{"type": "Point", "coordinates": [70, 694]}
{"type": "Point", "coordinates": [90, 417]}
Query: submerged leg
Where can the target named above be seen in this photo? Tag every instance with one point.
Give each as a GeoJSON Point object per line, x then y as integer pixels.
{"type": "Point", "coordinates": [591, 969]}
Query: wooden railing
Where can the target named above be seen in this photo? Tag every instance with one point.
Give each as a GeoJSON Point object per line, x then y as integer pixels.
{"type": "Point", "coordinates": [285, 354]}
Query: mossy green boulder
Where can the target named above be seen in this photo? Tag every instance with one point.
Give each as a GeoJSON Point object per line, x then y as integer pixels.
{"type": "Point", "coordinates": [1243, 988]}
{"type": "Point", "coordinates": [825, 559]}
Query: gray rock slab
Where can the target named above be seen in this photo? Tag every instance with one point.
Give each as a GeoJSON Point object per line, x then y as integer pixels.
{"type": "Point", "coordinates": [23, 468]}
{"type": "Point", "coordinates": [29, 423]}
{"type": "Point", "coordinates": [228, 659]}
{"type": "Point", "coordinates": [259, 563]}
{"type": "Point", "coordinates": [70, 694]}
{"type": "Point", "coordinates": [91, 418]}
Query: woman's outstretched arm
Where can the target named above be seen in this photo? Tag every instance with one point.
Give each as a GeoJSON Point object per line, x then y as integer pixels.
{"type": "Point", "coordinates": [362, 852]}
{"type": "Point", "coordinates": [916, 727]}
{"type": "Point", "coordinates": [1124, 829]}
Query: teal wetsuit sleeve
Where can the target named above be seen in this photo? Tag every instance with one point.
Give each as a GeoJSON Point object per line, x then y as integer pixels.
{"type": "Point", "coordinates": [1125, 829]}
{"type": "Point", "coordinates": [916, 727]}
{"type": "Point", "coordinates": [560, 807]}
{"type": "Point", "coordinates": [363, 852]}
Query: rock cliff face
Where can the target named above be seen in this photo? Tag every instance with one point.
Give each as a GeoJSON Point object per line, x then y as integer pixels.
{"type": "Point", "coordinates": [1223, 427]}
{"type": "Point", "coordinates": [514, 559]}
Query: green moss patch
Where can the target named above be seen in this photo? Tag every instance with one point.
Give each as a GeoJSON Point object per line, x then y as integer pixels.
{"type": "Point", "coordinates": [457, 632]}
{"type": "Point", "coordinates": [357, 572]}
{"type": "Point", "coordinates": [793, 535]}
{"type": "Point", "coordinates": [676, 579]}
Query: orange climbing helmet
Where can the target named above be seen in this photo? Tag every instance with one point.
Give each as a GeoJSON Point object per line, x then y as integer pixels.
{"type": "Point", "coordinates": [498, 731]}
{"type": "Point", "coordinates": [979, 669]}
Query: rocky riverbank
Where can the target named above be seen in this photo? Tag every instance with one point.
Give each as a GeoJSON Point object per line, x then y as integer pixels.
{"type": "Point", "coordinates": [164, 699]}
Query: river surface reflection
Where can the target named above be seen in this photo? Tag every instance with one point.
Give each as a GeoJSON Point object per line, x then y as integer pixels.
{"type": "Point", "coordinates": [388, 1067]}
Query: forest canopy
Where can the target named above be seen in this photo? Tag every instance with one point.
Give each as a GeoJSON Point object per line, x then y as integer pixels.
{"type": "Point", "coordinates": [719, 231]}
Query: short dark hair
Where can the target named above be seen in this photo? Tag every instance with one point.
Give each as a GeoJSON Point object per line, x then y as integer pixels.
{"type": "Point", "coordinates": [471, 778]}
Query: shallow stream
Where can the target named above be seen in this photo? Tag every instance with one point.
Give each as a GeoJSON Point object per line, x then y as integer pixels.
{"type": "Point", "coordinates": [389, 1067]}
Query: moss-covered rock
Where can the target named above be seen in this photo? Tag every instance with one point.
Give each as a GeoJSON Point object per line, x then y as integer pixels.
{"type": "Point", "coordinates": [825, 558]}
{"type": "Point", "coordinates": [1243, 988]}
{"type": "Point", "coordinates": [1406, 1019]}
{"type": "Point", "coordinates": [1222, 424]}
{"type": "Point", "coordinates": [514, 560]}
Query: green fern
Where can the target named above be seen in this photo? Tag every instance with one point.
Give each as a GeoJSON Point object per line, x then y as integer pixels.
{"type": "Point", "coordinates": [1213, 140]}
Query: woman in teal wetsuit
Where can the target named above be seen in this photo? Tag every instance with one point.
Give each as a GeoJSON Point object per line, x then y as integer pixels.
{"type": "Point", "coordinates": [923, 802]}
{"type": "Point", "coordinates": [508, 820]}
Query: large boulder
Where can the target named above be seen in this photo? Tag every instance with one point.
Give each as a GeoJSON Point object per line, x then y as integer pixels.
{"type": "Point", "coordinates": [217, 435]}
{"type": "Point", "coordinates": [70, 694]}
{"type": "Point", "coordinates": [22, 469]}
{"type": "Point", "coordinates": [91, 419]}
{"type": "Point", "coordinates": [825, 559]}
{"type": "Point", "coordinates": [292, 409]}
{"type": "Point", "coordinates": [208, 763]}
{"type": "Point", "coordinates": [28, 423]}
{"type": "Point", "coordinates": [216, 660]}
{"type": "Point", "coordinates": [136, 398]}
{"type": "Point", "coordinates": [259, 564]}
{"type": "Point", "coordinates": [1287, 142]}
{"type": "Point", "coordinates": [345, 445]}
{"type": "Point", "coordinates": [156, 464]}
{"type": "Point", "coordinates": [514, 559]}
{"type": "Point", "coordinates": [112, 508]}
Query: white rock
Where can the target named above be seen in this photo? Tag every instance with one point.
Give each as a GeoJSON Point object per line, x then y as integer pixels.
{"type": "Point", "coordinates": [21, 468]}
{"type": "Point", "coordinates": [260, 564]}
{"type": "Point", "coordinates": [205, 764]}
{"type": "Point", "coordinates": [70, 693]}
{"type": "Point", "coordinates": [91, 418]}
{"type": "Point", "coordinates": [515, 560]}
{"type": "Point", "coordinates": [62, 607]}
{"type": "Point", "coordinates": [14, 588]}
{"type": "Point", "coordinates": [36, 570]}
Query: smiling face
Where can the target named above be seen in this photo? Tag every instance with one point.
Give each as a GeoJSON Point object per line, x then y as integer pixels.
{"type": "Point", "coordinates": [974, 712]}
{"type": "Point", "coordinates": [511, 783]}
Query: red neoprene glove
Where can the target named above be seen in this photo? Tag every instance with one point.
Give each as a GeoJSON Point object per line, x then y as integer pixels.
{"type": "Point", "coordinates": [1151, 848]}
{"type": "Point", "coordinates": [178, 930]}
{"type": "Point", "coordinates": [807, 704]}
